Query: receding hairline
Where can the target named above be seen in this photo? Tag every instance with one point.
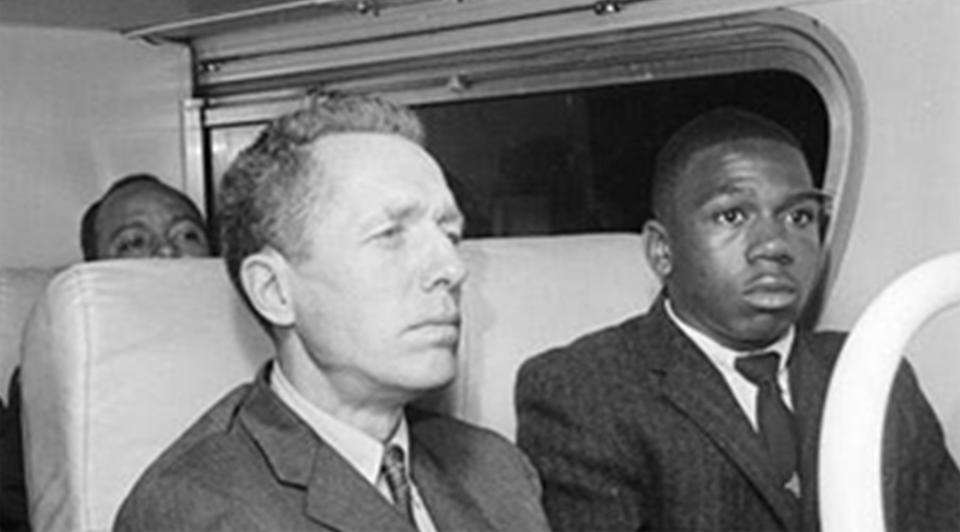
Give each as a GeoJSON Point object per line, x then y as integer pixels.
{"type": "Point", "coordinates": [324, 183]}
{"type": "Point", "coordinates": [326, 145]}
{"type": "Point", "coordinates": [335, 136]}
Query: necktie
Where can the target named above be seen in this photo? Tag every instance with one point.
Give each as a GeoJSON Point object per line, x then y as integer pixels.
{"type": "Point", "coordinates": [395, 472]}
{"type": "Point", "coordinates": [775, 421]}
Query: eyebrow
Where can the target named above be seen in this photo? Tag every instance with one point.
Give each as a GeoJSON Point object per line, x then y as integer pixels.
{"type": "Point", "coordinates": [139, 225]}
{"type": "Point", "coordinates": [811, 194]}
{"type": "Point", "coordinates": [400, 211]}
{"type": "Point", "coordinates": [816, 195]}
{"type": "Point", "coordinates": [186, 218]}
{"type": "Point", "coordinates": [396, 212]}
{"type": "Point", "coordinates": [404, 211]}
{"type": "Point", "coordinates": [453, 216]}
{"type": "Point", "coordinates": [136, 224]}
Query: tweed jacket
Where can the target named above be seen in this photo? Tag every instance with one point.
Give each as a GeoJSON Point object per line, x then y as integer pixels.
{"type": "Point", "coordinates": [633, 428]}
{"type": "Point", "coordinates": [250, 463]}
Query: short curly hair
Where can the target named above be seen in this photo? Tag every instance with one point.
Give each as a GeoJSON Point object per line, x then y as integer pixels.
{"type": "Point", "coordinates": [721, 125]}
{"type": "Point", "coordinates": [269, 191]}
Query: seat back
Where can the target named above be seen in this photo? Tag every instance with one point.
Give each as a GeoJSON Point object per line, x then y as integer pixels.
{"type": "Point", "coordinates": [526, 295]}
{"type": "Point", "coordinates": [121, 356]}
{"type": "Point", "coordinates": [19, 290]}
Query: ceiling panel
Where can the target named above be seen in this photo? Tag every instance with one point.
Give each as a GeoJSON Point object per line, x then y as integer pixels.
{"type": "Point", "coordinates": [133, 15]}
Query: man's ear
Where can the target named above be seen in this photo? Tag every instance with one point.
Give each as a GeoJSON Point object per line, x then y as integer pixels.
{"type": "Point", "coordinates": [266, 281]}
{"type": "Point", "coordinates": [658, 248]}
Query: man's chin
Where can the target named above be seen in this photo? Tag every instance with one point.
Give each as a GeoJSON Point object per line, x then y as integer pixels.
{"type": "Point", "coordinates": [768, 330]}
{"type": "Point", "coordinates": [439, 370]}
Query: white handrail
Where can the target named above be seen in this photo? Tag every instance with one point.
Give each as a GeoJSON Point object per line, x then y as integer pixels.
{"type": "Point", "coordinates": [850, 473]}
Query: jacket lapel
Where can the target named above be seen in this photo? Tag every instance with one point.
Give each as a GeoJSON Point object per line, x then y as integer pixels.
{"type": "Point", "coordinates": [451, 507]}
{"type": "Point", "coordinates": [336, 494]}
{"type": "Point", "coordinates": [809, 378]}
{"type": "Point", "coordinates": [695, 387]}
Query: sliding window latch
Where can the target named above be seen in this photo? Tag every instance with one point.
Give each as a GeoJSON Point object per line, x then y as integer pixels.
{"type": "Point", "coordinates": [368, 7]}
{"type": "Point", "coordinates": [607, 7]}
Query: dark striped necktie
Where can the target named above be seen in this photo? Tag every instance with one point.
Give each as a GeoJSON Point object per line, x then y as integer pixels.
{"type": "Point", "coordinates": [395, 472]}
{"type": "Point", "coordinates": [774, 420]}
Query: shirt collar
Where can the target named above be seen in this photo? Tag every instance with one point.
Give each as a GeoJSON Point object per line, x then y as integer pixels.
{"type": "Point", "coordinates": [362, 451]}
{"type": "Point", "coordinates": [723, 355]}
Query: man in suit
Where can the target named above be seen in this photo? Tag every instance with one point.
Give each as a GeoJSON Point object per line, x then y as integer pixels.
{"type": "Point", "coordinates": [340, 233]}
{"type": "Point", "coordinates": [704, 413]}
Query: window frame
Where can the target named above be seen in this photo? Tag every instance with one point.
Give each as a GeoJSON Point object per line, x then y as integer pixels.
{"type": "Point", "coordinates": [236, 89]}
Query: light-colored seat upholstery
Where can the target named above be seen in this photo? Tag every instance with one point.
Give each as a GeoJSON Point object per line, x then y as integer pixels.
{"type": "Point", "coordinates": [121, 356]}
{"type": "Point", "coordinates": [19, 290]}
{"type": "Point", "coordinates": [525, 295]}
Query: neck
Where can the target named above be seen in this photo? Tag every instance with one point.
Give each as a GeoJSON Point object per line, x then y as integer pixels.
{"type": "Point", "coordinates": [341, 394]}
{"type": "Point", "coordinates": [692, 326]}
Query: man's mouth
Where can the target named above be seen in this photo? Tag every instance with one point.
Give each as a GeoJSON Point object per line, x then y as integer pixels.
{"type": "Point", "coordinates": [445, 328]}
{"type": "Point", "coordinates": [442, 320]}
{"type": "Point", "coordinates": [770, 292]}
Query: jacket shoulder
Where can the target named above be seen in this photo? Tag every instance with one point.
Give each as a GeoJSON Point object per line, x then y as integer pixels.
{"type": "Point", "coordinates": [441, 431]}
{"type": "Point", "coordinates": [176, 481]}
{"type": "Point", "coordinates": [613, 350]}
{"type": "Point", "coordinates": [496, 474]}
{"type": "Point", "coordinates": [826, 345]}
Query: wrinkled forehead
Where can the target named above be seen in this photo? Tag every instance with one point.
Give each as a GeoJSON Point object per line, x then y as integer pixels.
{"type": "Point", "coordinates": [369, 168]}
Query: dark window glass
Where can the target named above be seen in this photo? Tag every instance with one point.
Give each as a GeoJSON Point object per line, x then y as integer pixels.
{"type": "Point", "coordinates": [581, 160]}
{"type": "Point", "coordinates": [577, 160]}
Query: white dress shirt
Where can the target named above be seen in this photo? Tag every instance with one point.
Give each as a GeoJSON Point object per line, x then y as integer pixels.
{"type": "Point", "coordinates": [723, 358]}
{"type": "Point", "coordinates": [359, 449]}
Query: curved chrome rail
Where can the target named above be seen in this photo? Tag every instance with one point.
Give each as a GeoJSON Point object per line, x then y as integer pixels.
{"type": "Point", "coordinates": [851, 440]}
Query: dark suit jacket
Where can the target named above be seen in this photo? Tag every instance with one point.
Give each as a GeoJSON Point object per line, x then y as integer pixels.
{"type": "Point", "coordinates": [250, 463]}
{"type": "Point", "coordinates": [13, 491]}
{"type": "Point", "coordinates": [632, 427]}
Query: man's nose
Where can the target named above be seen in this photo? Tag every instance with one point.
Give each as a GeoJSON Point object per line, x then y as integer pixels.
{"type": "Point", "coordinates": [447, 268]}
{"type": "Point", "coordinates": [769, 241]}
{"type": "Point", "coordinates": [167, 250]}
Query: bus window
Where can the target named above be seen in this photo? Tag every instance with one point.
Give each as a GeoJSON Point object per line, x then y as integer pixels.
{"type": "Point", "coordinates": [581, 160]}
{"type": "Point", "coordinates": [559, 136]}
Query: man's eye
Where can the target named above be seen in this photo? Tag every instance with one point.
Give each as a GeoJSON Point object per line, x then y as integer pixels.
{"type": "Point", "coordinates": [454, 236]}
{"type": "Point", "coordinates": [731, 216]}
{"type": "Point", "coordinates": [190, 235]}
{"type": "Point", "coordinates": [390, 233]}
{"type": "Point", "coordinates": [187, 232]}
{"type": "Point", "coordinates": [802, 217]}
{"type": "Point", "coordinates": [132, 244]}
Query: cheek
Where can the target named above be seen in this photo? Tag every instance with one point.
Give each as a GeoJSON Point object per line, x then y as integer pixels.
{"type": "Point", "coordinates": [379, 298]}
{"type": "Point", "coordinates": [196, 249]}
{"type": "Point", "coordinates": [809, 268]}
{"type": "Point", "coordinates": [711, 285]}
{"type": "Point", "coordinates": [717, 262]}
{"type": "Point", "coordinates": [809, 249]}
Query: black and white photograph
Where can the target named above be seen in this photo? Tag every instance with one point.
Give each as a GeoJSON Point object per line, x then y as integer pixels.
{"type": "Point", "coordinates": [480, 265]}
